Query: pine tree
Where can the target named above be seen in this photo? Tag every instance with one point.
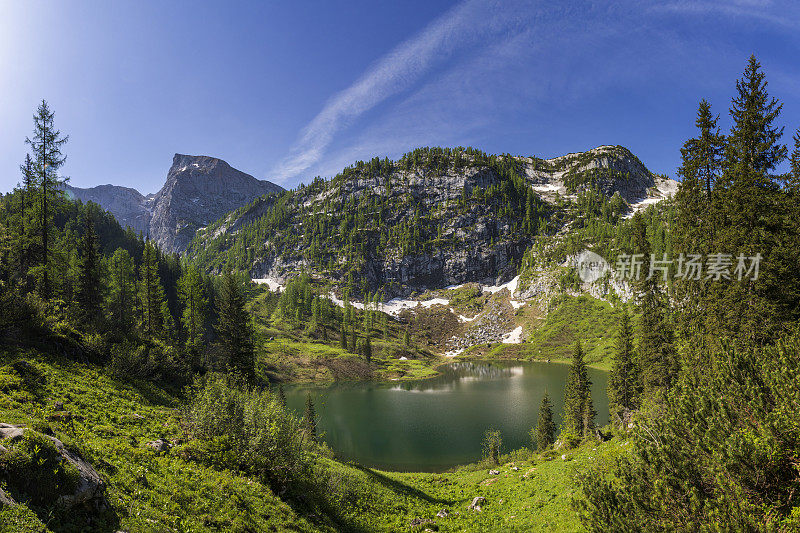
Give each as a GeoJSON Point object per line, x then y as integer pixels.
{"type": "Point", "coordinates": [343, 337]}
{"type": "Point", "coordinates": [46, 147]}
{"type": "Point", "coordinates": [234, 329]}
{"type": "Point", "coordinates": [151, 293]}
{"type": "Point", "coordinates": [367, 350]}
{"type": "Point", "coordinates": [310, 418]}
{"type": "Point", "coordinates": [576, 394]}
{"type": "Point", "coordinates": [122, 290]}
{"type": "Point", "coordinates": [192, 296]}
{"type": "Point", "coordinates": [88, 294]}
{"type": "Point", "coordinates": [545, 433]}
{"type": "Point", "coordinates": [623, 381]}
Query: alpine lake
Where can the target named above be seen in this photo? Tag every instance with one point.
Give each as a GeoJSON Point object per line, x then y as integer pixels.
{"type": "Point", "coordinates": [438, 423]}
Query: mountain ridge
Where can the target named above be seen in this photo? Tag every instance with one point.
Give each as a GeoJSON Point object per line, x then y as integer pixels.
{"type": "Point", "coordinates": [198, 189]}
{"type": "Point", "coordinates": [433, 218]}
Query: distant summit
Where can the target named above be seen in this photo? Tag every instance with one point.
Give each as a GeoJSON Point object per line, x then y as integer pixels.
{"type": "Point", "coordinates": [198, 190]}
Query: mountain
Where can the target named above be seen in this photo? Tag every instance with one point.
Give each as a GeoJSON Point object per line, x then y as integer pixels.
{"type": "Point", "coordinates": [198, 190]}
{"type": "Point", "coordinates": [128, 206]}
{"type": "Point", "coordinates": [436, 217]}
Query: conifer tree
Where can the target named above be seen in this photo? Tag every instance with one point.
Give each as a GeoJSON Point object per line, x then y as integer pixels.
{"type": "Point", "coordinates": [151, 293]}
{"type": "Point", "coordinates": [576, 394]}
{"type": "Point", "coordinates": [27, 211]}
{"type": "Point", "coordinates": [343, 337]}
{"type": "Point", "coordinates": [46, 147]}
{"type": "Point", "coordinates": [310, 418]}
{"type": "Point", "coordinates": [122, 290]}
{"type": "Point", "coordinates": [234, 329]}
{"type": "Point", "coordinates": [192, 296]}
{"type": "Point", "coordinates": [88, 294]}
{"type": "Point", "coordinates": [545, 433]}
{"type": "Point", "coordinates": [589, 413]}
{"type": "Point", "coordinates": [623, 381]}
{"type": "Point", "coordinates": [367, 350]}
{"type": "Point", "coordinates": [794, 164]}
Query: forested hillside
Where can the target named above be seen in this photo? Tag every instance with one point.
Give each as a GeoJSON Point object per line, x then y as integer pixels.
{"type": "Point", "coordinates": [142, 391]}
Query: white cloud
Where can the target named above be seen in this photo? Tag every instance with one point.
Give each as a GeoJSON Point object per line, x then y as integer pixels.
{"type": "Point", "coordinates": [464, 25]}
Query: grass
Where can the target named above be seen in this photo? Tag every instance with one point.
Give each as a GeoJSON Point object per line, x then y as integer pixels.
{"type": "Point", "coordinates": [112, 422]}
{"type": "Point", "coordinates": [147, 491]}
{"type": "Point", "coordinates": [289, 352]}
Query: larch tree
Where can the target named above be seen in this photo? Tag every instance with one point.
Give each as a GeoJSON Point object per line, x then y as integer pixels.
{"type": "Point", "coordinates": [151, 293]}
{"type": "Point", "coordinates": [88, 293]}
{"type": "Point", "coordinates": [121, 290]}
{"type": "Point", "coordinates": [623, 381]}
{"type": "Point", "coordinates": [46, 146]}
{"type": "Point", "coordinates": [576, 394]}
{"type": "Point", "coordinates": [192, 297]}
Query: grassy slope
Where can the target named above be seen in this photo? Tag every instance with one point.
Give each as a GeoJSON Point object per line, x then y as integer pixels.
{"type": "Point", "coordinates": [594, 322]}
{"type": "Point", "coordinates": [147, 492]}
{"type": "Point", "coordinates": [150, 492]}
{"type": "Point", "coordinates": [289, 352]}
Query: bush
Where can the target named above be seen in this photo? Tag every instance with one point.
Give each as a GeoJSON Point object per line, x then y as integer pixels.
{"type": "Point", "coordinates": [266, 440]}
{"type": "Point", "coordinates": [719, 455]}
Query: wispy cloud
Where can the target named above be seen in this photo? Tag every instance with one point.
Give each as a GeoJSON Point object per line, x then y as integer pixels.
{"type": "Point", "coordinates": [462, 26]}
{"type": "Point", "coordinates": [779, 13]}
{"type": "Point", "coordinates": [484, 72]}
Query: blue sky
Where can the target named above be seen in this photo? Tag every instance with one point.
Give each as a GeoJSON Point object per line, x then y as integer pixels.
{"type": "Point", "coordinates": [290, 90]}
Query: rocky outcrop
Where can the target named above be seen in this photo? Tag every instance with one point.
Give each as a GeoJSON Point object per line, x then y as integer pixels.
{"type": "Point", "coordinates": [88, 484]}
{"type": "Point", "coordinates": [128, 206]}
{"type": "Point", "coordinates": [432, 219]}
{"type": "Point", "coordinates": [198, 190]}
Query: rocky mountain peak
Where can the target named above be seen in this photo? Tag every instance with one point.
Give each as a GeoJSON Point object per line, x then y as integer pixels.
{"type": "Point", "coordinates": [198, 190]}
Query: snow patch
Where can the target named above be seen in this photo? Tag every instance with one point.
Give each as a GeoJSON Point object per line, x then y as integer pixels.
{"type": "Point", "coordinates": [395, 306]}
{"type": "Point", "coordinates": [453, 353]}
{"type": "Point", "coordinates": [511, 286]}
{"type": "Point", "coordinates": [513, 337]}
{"type": "Point", "coordinates": [516, 305]}
{"type": "Point", "coordinates": [272, 283]}
{"type": "Point", "coordinates": [340, 303]}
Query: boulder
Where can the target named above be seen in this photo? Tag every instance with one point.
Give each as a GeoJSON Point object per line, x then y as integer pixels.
{"type": "Point", "coordinates": [442, 514]}
{"type": "Point", "coordinates": [494, 472]}
{"type": "Point", "coordinates": [90, 486]}
{"type": "Point", "coordinates": [476, 503]}
{"type": "Point", "coordinates": [11, 432]}
{"type": "Point", "coordinates": [160, 445]}
{"type": "Point", "coordinates": [6, 499]}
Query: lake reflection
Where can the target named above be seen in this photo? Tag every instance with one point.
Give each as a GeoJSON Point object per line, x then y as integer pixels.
{"type": "Point", "coordinates": [437, 423]}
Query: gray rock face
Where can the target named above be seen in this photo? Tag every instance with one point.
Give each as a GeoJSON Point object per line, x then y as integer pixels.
{"type": "Point", "coordinates": [198, 190]}
{"type": "Point", "coordinates": [128, 206]}
{"type": "Point", "coordinates": [467, 237]}
{"type": "Point", "coordinates": [90, 485]}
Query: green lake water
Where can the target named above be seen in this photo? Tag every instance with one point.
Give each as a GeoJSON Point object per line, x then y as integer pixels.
{"type": "Point", "coordinates": [438, 423]}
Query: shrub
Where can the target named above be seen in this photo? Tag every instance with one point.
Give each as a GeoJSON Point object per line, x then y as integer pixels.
{"type": "Point", "coordinates": [266, 439]}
